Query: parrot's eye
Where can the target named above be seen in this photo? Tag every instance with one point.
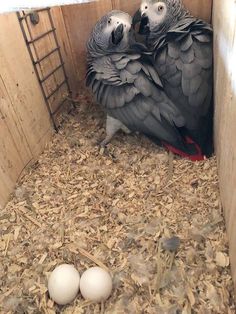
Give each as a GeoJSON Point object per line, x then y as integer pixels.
{"type": "Point", "coordinates": [146, 7]}
{"type": "Point", "coordinates": [109, 21]}
{"type": "Point", "coordinates": [160, 8]}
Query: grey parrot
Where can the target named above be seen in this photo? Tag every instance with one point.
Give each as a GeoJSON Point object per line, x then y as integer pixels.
{"type": "Point", "coordinates": [126, 84]}
{"type": "Point", "coordinates": [181, 47]}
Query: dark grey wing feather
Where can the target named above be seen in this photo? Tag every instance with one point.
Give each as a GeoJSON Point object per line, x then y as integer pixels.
{"type": "Point", "coordinates": [162, 57]}
{"type": "Point", "coordinates": [184, 65]}
{"type": "Point", "coordinates": [189, 70]}
{"type": "Point", "coordinates": [175, 79]}
{"type": "Point", "coordinates": [195, 84]}
{"type": "Point", "coordinates": [186, 86]}
{"type": "Point", "coordinates": [134, 67]}
{"type": "Point", "coordinates": [131, 91]}
{"type": "Point", "coordinates": [187, 56]}
{"type": "Point", "coordinates": [204, 38]}
{"type": "Point", "coordinates": [170, 71]}
{"type": "Point", "coordinates": [186, 43]}
{"type": "Point", "coordinates": [197, 99]}
{"type": "Point", "coordinates": [173, 50]}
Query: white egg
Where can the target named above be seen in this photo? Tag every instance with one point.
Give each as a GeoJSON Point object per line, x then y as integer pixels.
{"type": "Point", "coordinates": [96, 284]}
{"type": "Point", "coordinates": [63, 284]}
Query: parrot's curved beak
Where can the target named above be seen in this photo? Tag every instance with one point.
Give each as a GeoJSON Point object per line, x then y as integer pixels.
{"type": "Point", "coordinates": [136, 18]}
{"type": "Point", "coordinates": [144, 22]}
{"type": "Point", "coordinates": [117, 34]}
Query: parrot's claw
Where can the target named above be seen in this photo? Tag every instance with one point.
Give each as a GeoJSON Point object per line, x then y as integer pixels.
{"type": "Point", "coordinates": [102, 146]}
{"type": "Point", "coordinates": [104, 151]}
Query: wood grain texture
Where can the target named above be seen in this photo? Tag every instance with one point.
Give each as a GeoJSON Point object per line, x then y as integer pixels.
{"type": "Point", "coordinates": [224, 21]}
{"type": "Point", "coordinates": [41, 48]}
{"type": "Point", "coordinates": [12, 155]}
{"type": "Point", "coordinates": [127, 6]}
{"type": "Point", "coordinates": [200, 8]}
{"type": "Point", "coordinates": [24, 123]}
{"type": "Point", "coordinates": [65, 45]}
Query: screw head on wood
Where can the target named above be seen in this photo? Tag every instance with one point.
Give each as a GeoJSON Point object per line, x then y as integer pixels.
{"type": "Point", "coordinates": [34, 18]}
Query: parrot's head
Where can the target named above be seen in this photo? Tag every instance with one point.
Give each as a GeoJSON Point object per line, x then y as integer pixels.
{"type": "Point", "coordinates": [156, 15]}
{"type": "Point", "coordinates": [111, 33]}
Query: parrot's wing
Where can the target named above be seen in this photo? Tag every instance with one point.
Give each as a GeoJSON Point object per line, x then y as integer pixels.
{"type": "Point", "coordinates": [131, 91]}
{"type": "Point", "coordinates": [184, 63]}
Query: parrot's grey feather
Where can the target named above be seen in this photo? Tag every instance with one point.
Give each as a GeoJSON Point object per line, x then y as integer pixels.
{"type": "Point", "coordinates": [160, 129]}
{"type": "Point", "coordinates": [162, 57]}
{"type": "Point", "coordinates": [179, 64]}
{"type": "Point", "coordinates": [163, 97]}
{"type": "Point", "coordinates": [191, 69]}
{"type": "Point", "coordinates": [161, 69]}
{"type": "Point", "coordinates": [134, 56]}
{"type": "Point", "coordinates": [203, 38]}
{"type": "Point", "coordinates": [186, 86]}
{"type": "Point", "coordinates": [204, 63]}
{"type": "Point", "coordinates": [173, 50]}
{"type": "Point", "coordinates": [100, 92]}
{"type": "Point", "coordinates": [121, 64]}
{"type": "Point", "coordinates": [198, 98]}
{"type": "Point", "coordinates": [205, 106]}
{"type": "Point", "coordinates": [186, 42]}
{"type": "Point", "coordinates": [134, 67]}
{"type": "Point", "coordinates": [202, 51]}
{"type": "Point", "coordinates": [171, 70]}
{"type": "Point", "coordinates": [141, 109]}
{"type": "Point", "coordinates": [138, 100]}
{"type": "Point", "coordinates": [95, 85]}
{"type": "Point", "coordinates": [154, 76]}
{"type": "Point", "coordinates": [130, 93]}
{"type": "Point", "coordinates": [127, 77]}
{"type": "Point", "coordinates": [175, 79]}
{"type": "Point", "coordinates": [195, 83]}
{"type": "Point", "coordinates": [143, 85]}
{"type": "Point", "coordinates": [187, 56]}
{"type": "Point", "coordinates": [117, 57]}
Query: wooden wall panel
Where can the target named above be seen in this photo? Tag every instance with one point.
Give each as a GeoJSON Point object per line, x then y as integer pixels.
{"type": "Point", "coordinates": [65, 45]}
{"type": "Point", "coordinates": [200, 8]}
{"type": "Point", "coordinates": [24, 122]}
{"type": "Point", "coordinates": [80, 19]}
{"type": "Point", "coordinates": [12, 155]}
{"type": "Point", "coordinates": [224, 21]}
{"type": "Point", "coordinates": [42, 47]}
{"type": "Point", "coordinates": [127, 6]}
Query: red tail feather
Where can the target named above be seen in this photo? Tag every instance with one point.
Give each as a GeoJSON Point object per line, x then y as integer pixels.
{"type": "Point", "coordinates": [197, 157]}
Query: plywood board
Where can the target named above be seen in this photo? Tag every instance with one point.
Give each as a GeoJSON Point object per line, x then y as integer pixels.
{"type": "Point", "coordinates": [200, 8]}
{"type": "Point", "coordinates": [12, 155]}
{"type": "Point", "coordinates": [25, 127]}
{"type": "Point", "coordinates": [224, 21]}
{"type": "Point", "coordinates": [42, 47]}
{"type": "Point", "coordinates": [127, 6]}
{"type": "Point", "coordinates": [65, 46]}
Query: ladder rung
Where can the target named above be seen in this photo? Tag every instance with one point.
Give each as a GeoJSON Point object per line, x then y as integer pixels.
{"type": "Point", "coordinates": [41, 36]}
{"type": "Point", "coordinates": [51, 73]}
{"type": "Point", "coordinates": [60, 104]}
{"type": "Point", "coordinates": [56, 89]}
{"type": "Point", "coordinates": [47, 55]}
